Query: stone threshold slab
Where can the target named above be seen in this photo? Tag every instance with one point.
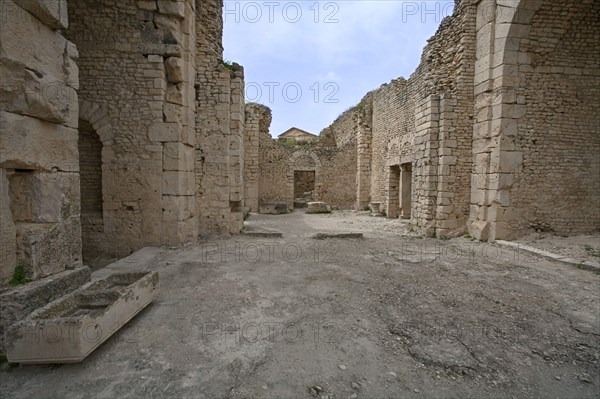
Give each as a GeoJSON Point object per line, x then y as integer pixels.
{"type": "Point", "coordinates": [323, 236]}
{"type": "Point", "coordinates": [70, 328]}
{"type": "Point", "coordinates": [586, 265]}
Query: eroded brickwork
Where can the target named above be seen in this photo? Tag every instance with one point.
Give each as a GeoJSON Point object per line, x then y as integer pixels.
{"type": "Point", "coordinates": [219, 136]}
{"type": "Point", "coordinates": [122, 117]}
{"type": "Point", "coordinates": [333, 166]}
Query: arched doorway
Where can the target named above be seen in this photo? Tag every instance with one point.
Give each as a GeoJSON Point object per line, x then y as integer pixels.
{"type": "Point", "coordinates": [90, 180]}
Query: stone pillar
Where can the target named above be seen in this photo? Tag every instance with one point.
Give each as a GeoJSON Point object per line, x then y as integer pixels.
{"type": "Point", "coordinates": [393, 192]}
{"type": "Point", "coordinates": [364, 156]}
{"type": "Point", "coordinates": [425, 143]}
{"type": "Point", "coordinates": [496, 160]}
{"type": "Point", "coordinates": [448, 206]}
{"type": "Point", "coordinates": [236, 152]}
{"type": "Point", "coordinates": [405, 191]}
{"type": "Point", "coordinates": [251, 155]}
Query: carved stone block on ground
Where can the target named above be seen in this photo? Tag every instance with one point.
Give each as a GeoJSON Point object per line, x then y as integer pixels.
{"type": "Point", "coordinates": [70, 328]}
{"type": "Point", "coordinates": [276, 208]}
{"type": "Point", "coordinates": [318, 207]}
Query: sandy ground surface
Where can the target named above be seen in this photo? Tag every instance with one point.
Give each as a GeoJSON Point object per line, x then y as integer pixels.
{"type": "Point", "coordinates": [391, 315]}
{"type": "Point", "coordinates": [584, 247]}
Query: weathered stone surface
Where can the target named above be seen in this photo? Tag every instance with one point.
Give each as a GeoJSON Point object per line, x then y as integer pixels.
{"type": "Point", "coordinates": [17, 303]}
{"type": "Point", "coordinates": [274, 209]}
{"type": "Point", "coordinates": [30, 143]}
{"type": "Point", "coordinates": [174, 68]}
{"type": "Point", "coordinates": [53, 13]}
{"type": "Point", "coordinates": [318, 207]}
{"type": "Point", "coordinates": [105, 304]}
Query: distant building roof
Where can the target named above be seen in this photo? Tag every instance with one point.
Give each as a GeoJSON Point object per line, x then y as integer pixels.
{"type": "Point", "coordinates": [294, 131]}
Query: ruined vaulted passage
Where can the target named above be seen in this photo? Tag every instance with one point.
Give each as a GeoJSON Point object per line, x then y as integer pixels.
{"type": "Point", "coordinates": [90, 170]}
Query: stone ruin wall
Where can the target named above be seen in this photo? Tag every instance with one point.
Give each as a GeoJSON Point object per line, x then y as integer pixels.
{"type": "Point", "coordinates": [536, 129]}
{"type": "Point", "coordinates": [334, 166]}
{"type": "Point", "coordinates": [119, 95]}
{"type": "Point", "coordinates": [257, 122]}
{"type": "Point", "coordinates": [137, 74]}
{"type": "Point", "coordinates": [558, 184]}
{"type": "Point", "coordinates": [39, 165]}
{"type": "Point", "coordinates": [220, 118]}
{"type": "Point", "coordinates": [424, 121]}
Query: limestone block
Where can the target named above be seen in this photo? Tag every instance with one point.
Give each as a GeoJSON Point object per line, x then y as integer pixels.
{"type": "Point", "coordinates": [30, 143]}
{"type": "Point", "coordinates": [164, 132]}
{"type": "Point", "coordinates": [177, 156]}
{"type": "Point", "coordinates": [37, 197]}
{"type": "Point", "coordinates": [170, 7]}
{"type": "Point", "coordinates": [174, 94]}
{"type": "Point", "coordinates": [51, 12]}
{"type": "Point", "coordinates": [174, 68]}
{"type": "Point", "coordinates": [170, 24]}
{"type": "Point", "coordinates": [178, 208]}
{"type": "Point", "coordinates": [147, 5]}
{"type": "Point", "coordinates": [48, 238]}
{"type": "Point", "coordinates": [18, 302]}
{"type": "Point", "coordinates": [178, 183]}
{"type": "Point", "coordinates": [505, 231]}
{"type": "Point", "coordinates": [8, 234]}
{"type": "Point", "coordinates": [165, 50]}
{"type": "Point", "coordinates": [480, 230]}
{"type": "Point", "coordinates": [173, 113]}
{"type": "Point", "coordinates": [276, 208]}
{"type": "Point", "coordinates": [105, 305]}
{"type": "Point", "coordinates": [318, 207]}
{"type": "Point", "coordinates": [29, 42]}
{"type": "Point", "coordinates": [41, 96]}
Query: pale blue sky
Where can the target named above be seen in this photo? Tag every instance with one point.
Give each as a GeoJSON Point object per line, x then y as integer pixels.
{"type": "Point", "coordinates": [311, 60]}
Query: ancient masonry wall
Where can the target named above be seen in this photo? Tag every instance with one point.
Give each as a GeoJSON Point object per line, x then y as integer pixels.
{"type": "Point", "coordinates": [258, 120]}
{"type": "Point", "coordinates": [424, 122]}
{"type": "Point", "coordinates": [137, 75]}
{"type": "Point", "coordinates": [220, 129]}
{"type": "Point", "coordinates": [334, 167]}
{"type": "Point", "coordinates": [558, 185]}
{"type": "Point", "coordinates": [536, 162]}
{"type": "Point", "coordinates": [338, 175]}
{"type": "Point", "coordinates": [342, 130]}
{"type": "Point", "coordinates": [363, 118]}
{"type": "Point", "coordinates": [39, 182]}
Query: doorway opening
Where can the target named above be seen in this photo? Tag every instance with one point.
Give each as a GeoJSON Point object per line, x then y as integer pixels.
{"type": "Point", "coordinates": [393, 197]}
{"type": "Point", "coordinates": [90, 180]}
{"type": "Point", "coordinates": [304, 187]}
{"type": "Point", "coordinates": [405, 190]}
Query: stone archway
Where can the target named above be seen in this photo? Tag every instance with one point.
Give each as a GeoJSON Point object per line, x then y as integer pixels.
{"type": "Point", "coordinates": [500, 29]}
{"type": "Point", "coordinates": [529, 99]}
{"type": "Point", "coordinates": [95, 135]}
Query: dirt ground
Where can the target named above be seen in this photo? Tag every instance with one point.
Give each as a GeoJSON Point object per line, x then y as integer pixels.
{"type": "Point", "coordinates": [584, 247]}
{"type": "Point", "coordinates": [391, 315]}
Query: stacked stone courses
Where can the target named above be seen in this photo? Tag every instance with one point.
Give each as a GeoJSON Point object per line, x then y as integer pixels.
{"type": "Point", "coordinates": [122, 127]}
